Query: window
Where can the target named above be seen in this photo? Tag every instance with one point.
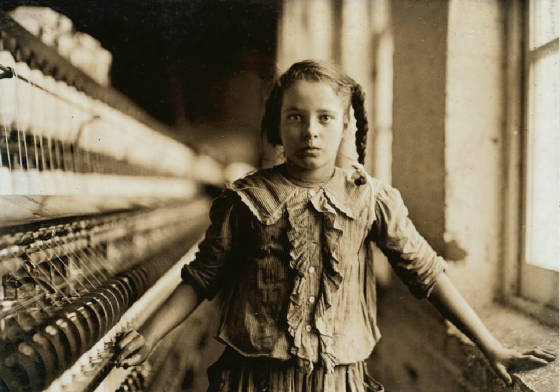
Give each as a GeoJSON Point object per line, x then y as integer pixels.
{"type": "Point", "coordinates": [540, 253]}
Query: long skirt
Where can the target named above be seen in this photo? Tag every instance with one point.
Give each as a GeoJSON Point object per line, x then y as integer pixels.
{"type": "Point", "coordinates": [236, 373]}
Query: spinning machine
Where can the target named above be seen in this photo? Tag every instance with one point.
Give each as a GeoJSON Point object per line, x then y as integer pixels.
{"type": "Point", "coordinates": [99, 208]}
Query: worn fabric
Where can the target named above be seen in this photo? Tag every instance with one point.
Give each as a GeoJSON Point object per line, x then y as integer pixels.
{"type": "Point", "coordinates": [236, 373]}
{"type": "Point", "coordinates": [293, 264]}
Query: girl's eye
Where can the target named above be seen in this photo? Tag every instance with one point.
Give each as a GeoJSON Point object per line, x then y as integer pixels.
{"type": "Point", "coordinates": [325, 118]}
{"type": "Point", "coordinates": [294, 117]}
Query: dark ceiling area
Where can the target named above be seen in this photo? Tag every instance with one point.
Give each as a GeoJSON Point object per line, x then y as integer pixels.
{"type": "Point", "coordinates": [174, 57]}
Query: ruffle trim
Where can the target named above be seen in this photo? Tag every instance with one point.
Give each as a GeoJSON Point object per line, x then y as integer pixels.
{"type": "Point", "coordinates": [331, 279]}
{"type": "Point", "coordinates": [297, 236]}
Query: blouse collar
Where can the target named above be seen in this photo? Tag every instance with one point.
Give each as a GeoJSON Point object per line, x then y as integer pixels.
{"type": "Point", "coordinates": [267, 192]}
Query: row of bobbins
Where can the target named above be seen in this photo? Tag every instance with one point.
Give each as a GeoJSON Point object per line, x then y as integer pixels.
{"type": "Point", "coordinates": [54, 137]}
{"type": "Point", "coordinates": [85, 250]}
{"type": "Point", "coordinates": [58, 32]}
{"type": "Point", "coordinates": [34, 356]}
{"type": "Point", "coordinates": [44, 335]}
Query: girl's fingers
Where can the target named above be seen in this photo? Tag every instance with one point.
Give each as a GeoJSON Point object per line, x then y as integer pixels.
{"type": "Point", "coordinates": [130, 335]}
{"type": "Point", "coordinates": [503, 373]}
{"type": "Point", "coordinates": [134, 345]}
{"type": "Point", "coordinates": [535, 359]}
{"type": "Point", "coordinates": [540, 353]}
{"type": "Point", "coordinates": [127, 353]}
{"type": "Point", "coordinates": [517, 361]}
{"type": "Point", "coordinates": [132, 361]}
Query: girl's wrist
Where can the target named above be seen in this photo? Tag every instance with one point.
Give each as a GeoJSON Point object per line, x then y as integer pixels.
{"type": "Point", "coordinates": [492, 347]}
{"type": "Point", "coordinates": [148, 336]}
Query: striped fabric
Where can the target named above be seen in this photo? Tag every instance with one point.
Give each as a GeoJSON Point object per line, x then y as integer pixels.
{"type": "Point", "coordinates": [235, 373]}
{"type": "Point", "coordinates": [292, 264]}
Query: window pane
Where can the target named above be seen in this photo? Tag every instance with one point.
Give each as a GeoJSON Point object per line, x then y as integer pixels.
{"type": "Point", "coordinates": [543, 21]}
{"type": "Point", "coordinates": [543, 164]}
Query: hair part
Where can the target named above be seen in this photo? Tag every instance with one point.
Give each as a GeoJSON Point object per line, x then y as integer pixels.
{"type": "Point", "coordinates": [317, 71]}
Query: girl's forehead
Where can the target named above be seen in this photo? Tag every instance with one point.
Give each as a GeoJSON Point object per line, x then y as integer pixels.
{"type": "Point", "coordinates": [305, 93]}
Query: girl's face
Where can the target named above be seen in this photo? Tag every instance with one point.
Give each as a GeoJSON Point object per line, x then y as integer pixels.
{"type": "Point", "coordinates": [311, 127]}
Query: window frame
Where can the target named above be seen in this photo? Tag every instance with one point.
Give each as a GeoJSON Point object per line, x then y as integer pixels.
{"type": "Point", "coordinates": [519, 288]}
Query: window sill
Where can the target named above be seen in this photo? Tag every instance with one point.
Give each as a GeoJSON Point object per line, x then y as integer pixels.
{"type": "Point", "coordinates": [522, 332]}
{"type": "Point", "coordinates": [545, 314]}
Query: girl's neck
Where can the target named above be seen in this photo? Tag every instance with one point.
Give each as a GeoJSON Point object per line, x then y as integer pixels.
{"type": "Point", "coordinates": [308, 177]}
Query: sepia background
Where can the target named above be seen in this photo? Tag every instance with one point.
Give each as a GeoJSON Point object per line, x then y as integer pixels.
{"type": "Point", "coordinates": [463, 104]}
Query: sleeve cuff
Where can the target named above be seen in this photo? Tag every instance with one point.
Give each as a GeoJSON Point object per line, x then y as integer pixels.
{"type": "Point", "coordinates": [423, 289]}
{"type": "Point", "coordinates": [188, 277]}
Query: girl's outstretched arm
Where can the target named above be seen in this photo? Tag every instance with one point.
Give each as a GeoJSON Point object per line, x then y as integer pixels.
{"type": "Point", "coordinates": [451, 304]}
{"type": "Point", "coordinates": [136, 346]}
{"type": "Point", "coordinates": [200, 279]}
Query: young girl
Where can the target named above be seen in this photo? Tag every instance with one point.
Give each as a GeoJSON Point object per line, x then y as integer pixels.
{"type": "Point", "coordinates": [288, 249]}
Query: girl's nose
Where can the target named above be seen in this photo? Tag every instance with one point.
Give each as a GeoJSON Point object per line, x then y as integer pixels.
{"type": "Point", "coordinates": [311, 129]}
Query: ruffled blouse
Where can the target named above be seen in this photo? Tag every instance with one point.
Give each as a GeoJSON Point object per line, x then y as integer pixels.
{"type": "Point", "coordinates": [294, 265]}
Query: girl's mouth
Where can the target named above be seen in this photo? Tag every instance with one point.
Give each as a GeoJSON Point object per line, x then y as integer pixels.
{"type": "Point", "coordinates": [310, 151]}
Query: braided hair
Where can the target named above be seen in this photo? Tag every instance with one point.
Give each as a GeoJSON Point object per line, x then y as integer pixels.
{"type": "Point", "coordinates": [317, 71]}
{"type": "Point", "coordinates": [362, 127]}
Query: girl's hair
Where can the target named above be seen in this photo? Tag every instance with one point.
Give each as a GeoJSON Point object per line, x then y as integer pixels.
{"type": "Point", "coordinates": [317, 71]}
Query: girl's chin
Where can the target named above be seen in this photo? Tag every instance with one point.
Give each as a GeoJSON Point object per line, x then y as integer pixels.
{"type": "Point", "coordinates": [311, 163]}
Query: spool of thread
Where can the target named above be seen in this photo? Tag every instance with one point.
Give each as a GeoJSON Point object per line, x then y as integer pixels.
{"type": "Point", "coordinates": [7, 117]}
{"type": "Point", "coordinates": [8, 100]}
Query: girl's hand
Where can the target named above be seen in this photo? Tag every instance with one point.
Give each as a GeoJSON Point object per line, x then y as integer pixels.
{"type": "Point", "coordinates": [134, 349]}
{"type": "Point", "coordinates": [504, 361]}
